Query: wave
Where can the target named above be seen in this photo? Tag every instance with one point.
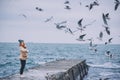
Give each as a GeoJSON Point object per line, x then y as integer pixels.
{"type": "Point", "coordinates": [105, 65]}
{"type": "Point", "coordinates": [5, 63]}
{"type": "Point", "coordinates": [106, 73]}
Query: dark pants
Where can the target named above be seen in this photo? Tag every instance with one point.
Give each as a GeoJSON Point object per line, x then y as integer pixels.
{"type": "Point", "coordinates": [23, 62]}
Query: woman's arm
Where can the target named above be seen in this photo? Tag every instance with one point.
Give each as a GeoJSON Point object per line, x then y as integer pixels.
{"type": "Point", "coordinates": [23, 50]}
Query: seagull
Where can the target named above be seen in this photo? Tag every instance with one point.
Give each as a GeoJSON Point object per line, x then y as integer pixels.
{"type": "Point", "coordinates": [81, 37]}
{"type": "Point", "coordinates": [49, 19]}
{"type": "Point", "coordinates": [100, 35]}
{"type": "Point", "coordinates": [39, 9]}
{"type": "Point", "coordinates": [67, 7]}
{"type": "Point", "coordinates": [95, 3]}
{"type": "Point", "coordinates": [58, 26]}
{"type": "Point", "coordinates": [108, 53]}
{"type": "Point", "coordinates": [69, 30]}
{"type": "Point", "coordinates": [110, 40]}
{"type": "Point", "coordinates": [80, 22]}
{"type": "Point", "coordinates": [90, 6]}
{"type": "Point", "coordinates": [91, 43]}
{"type": "Point", "coordinates": [107, 29]}
{"type": "Point", "coordinates": [80, 3]}
{"type": "Point", "coordinates": [117, 3]}
{"type": "Point", "coordinates": [106, 43]}
{"type": "Point", "coordinates": [95, 50]}
{"type": "Point", "coordinates": [93, 47]}
{"type": "Point", "coordinates": [66, 2]}
{"type": "Point", "coordinates": [81, 27]}
{"type": "Point", "coordinates": [105, 18]}
{"type": "Point", "coordinates": [23, 15]}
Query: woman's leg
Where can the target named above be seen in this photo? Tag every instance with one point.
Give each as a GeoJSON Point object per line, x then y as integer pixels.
{"type": "Point", "coordinates": [23, 62]}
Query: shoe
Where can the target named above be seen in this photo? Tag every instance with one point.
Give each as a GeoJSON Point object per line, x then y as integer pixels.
{"type": "Point", "coordinates": [22, 76]}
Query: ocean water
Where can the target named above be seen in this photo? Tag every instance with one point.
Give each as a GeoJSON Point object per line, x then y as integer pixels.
{"type": "Point", "coordinates": [101, 66]}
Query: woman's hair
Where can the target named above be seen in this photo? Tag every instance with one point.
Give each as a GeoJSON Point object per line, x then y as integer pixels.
{"type": "Point", "coordinates": [22, 44]}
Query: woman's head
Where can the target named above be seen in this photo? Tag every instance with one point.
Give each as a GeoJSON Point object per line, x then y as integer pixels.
{"type": "Point", "coordinates": [21, 43]}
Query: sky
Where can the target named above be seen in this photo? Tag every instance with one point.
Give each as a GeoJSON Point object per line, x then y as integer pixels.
{"type": "Point", "coordinates": [32, 26]}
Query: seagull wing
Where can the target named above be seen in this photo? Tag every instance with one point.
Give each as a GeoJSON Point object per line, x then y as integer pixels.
{"type": "Point", "coordinates": [67, 7]}
{"type": "Point", "coordinates": [116, 6]}
{"type": "Point", "coordinates": [48, 19]}
{"type": "Point", "coordinates": [108, 31]}
{"type": "Point", "coordinates": [104, 19]}
{"type": "Point", "coordinates": [107, 15]}
{"type": "Point", "coordinates": [67, 2]}
{"type": "Point", "coordinates": [82, 36]}
{"type": "Point", "coordinates": [90, 43]}
{"type": "Point", "coordinates": [91, 6]}
{"type": "Point", "coordinates": [117, 0]}
{"type": "Point", "coordinates": [101, 34]}
{"type": "Point", "coordinates": [110, 40]}
{"type": "Point", "coordinates": [80, 22]}
{"type": "Point", "coordinates": [70, 31]}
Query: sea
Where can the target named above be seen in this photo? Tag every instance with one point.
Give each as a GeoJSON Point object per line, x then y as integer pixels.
{"type": "Point", "coordinates": [102, 67]}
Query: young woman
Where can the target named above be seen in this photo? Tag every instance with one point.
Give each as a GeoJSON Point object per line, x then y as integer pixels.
{"type": "Point", "coordinates": [23, 56]}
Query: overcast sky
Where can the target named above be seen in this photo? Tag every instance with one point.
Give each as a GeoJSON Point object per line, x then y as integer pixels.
{"type": "Point", "coordinates": [32, 28]}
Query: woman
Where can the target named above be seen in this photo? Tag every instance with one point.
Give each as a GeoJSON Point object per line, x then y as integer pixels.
{"type": "Point", "coordinates": [23, 56]}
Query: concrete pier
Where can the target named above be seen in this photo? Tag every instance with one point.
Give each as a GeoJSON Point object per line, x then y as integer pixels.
{"type": "Point", "coordinates": [55, 70]}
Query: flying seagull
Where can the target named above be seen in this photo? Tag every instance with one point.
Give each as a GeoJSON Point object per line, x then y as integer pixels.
{"type": "Point", "coordinates": [58, 26]}
{"type": "Point", "coordinates": [80, 22]}
{"type": "Point", "coordinates": [95, 3]}
{"type": "Point", "coordinates": [49, 19]}
{"type": "Point", "coordinates": [23, 15]}
{"type": "Point", "coordinates": [109, 41]}
{"type": "Point", "coordinates": [82, 27]}
{"type": "Point", "coordinates": [105, 18]}
{"type": "Point", "coordinates": [69, 31]}
{"type": "Point", "coordinates": [108, 53]}
{"type": "Point", "coordinates": [81, 37]}
{"type": "Point", "coordinates": [100, 35]}
{"type": "Point", "coordinates": [107, 29]}
{"type": "Point", "coordinates": [117, 3]}
{"type": "Point", "coordinates": [90, 6]}
{"type": "Point", "coordinates": [39, 9]}
{"type": "Point", "coordinates": [91, 42]}
{"type": "Point", "coordinates": [67, 7]}
{"type": "Point", "coordinates": [66, 2]}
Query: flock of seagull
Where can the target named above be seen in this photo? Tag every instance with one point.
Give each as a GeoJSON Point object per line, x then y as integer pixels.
{"type": "Point", "coordinates": [81, 27]}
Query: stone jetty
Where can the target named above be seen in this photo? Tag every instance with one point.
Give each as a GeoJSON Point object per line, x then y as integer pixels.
{"type": "Point", "coordinates": [55, 70]}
